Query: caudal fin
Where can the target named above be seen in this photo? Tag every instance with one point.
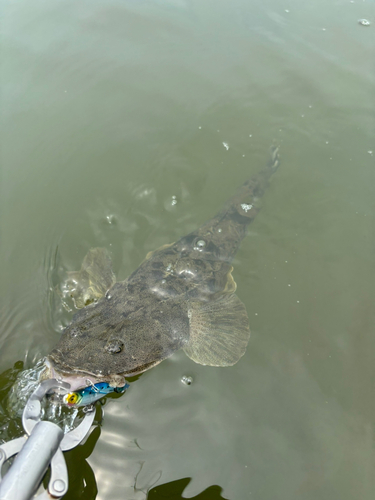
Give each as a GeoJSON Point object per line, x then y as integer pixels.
{"type": "Point", "coordinates": [228, 227]}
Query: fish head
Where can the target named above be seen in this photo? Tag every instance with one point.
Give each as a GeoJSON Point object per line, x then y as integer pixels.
{"type": "Point", "coordinates": [103, 345]}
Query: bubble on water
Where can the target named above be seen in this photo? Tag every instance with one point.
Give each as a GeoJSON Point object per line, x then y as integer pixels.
{"type": "Point", "coordinates": [226, 145]}
{"type": "Point", "coordinates": [370, 152]}
{"type": "Point", "coordinates": [187, 380]}
{"type": "Point", "coordinates": [200, 244]}
{"type": "Point", "coordinates": [219, 230]}
{"type": "Point", "coordinates": [287, 11]}
{"type": "Point", "coordinates": [324, 29]}
{"type": "Point", "coordinates": [111, 219]}
{"type": "Point", "coordinates": [174, 200]}
{"type": "Point", "coordinates": [200, 128]}
{"type": "Point", "coordinates": [246, 207]}
{"type": "Point", "coordinates": [364, 22]}
{"type": "Point", "coordinates": [250, 135]}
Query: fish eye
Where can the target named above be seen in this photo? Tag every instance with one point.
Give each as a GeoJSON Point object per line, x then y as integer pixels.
{"type": "Point", "coordinates": [114, 346]}
{"type": "Point", "coordinates": [200, 244]}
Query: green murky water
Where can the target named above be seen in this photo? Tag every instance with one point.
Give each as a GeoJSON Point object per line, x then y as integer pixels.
{"type": "Point", "coordinates": [126, 124]}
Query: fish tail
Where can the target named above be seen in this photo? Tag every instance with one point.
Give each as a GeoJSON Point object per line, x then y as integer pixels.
{"type": "Point", "coordinates": [228, 227]}
{"type": "Point", "coordinates": [244, 201]}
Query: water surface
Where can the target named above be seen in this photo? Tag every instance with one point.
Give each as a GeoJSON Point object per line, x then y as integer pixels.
{"type": "Point", "coordinates": [126, 124]}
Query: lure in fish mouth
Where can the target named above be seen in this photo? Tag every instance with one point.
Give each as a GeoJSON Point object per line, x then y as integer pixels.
{"type": "Point", "coordinates": [83, 389]}
{"type": "Point", "coordinates": [78, 381]}
{"type": "Point", "coordinates": [87, 395]}
{"type": "Point", "coordinates": [182, 296]}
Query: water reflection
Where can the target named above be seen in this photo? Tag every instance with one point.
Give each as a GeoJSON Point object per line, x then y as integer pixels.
{"type": "Point", "coordinates": [82, 482]}
{"type": "Point", "coordinates": [9, 427]}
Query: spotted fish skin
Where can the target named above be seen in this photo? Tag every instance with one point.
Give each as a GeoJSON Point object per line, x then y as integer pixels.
{"type": "Point", "coordinates": [181, 297]}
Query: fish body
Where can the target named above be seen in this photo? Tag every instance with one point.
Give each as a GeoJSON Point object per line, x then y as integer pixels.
{"type": "Point", "coordinates": [182, 296]}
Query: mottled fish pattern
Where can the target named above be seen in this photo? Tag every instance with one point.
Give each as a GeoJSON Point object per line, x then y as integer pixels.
{"type": "Point", "coordinates": [181, 297]}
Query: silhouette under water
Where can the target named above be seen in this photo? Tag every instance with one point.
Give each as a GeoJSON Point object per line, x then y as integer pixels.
{"type": "Point", "coordinates": [175, 489]}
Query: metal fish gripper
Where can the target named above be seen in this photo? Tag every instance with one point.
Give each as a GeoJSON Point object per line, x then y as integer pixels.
{"type": "Point", "coordinates": [41, 447]}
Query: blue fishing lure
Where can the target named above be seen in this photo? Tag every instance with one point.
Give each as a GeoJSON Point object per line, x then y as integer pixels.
{"type": "Point", "coordinates": [90, 394]}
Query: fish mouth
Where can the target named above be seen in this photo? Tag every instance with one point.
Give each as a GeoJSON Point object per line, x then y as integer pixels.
{"type": "Point", "coordinates": [76, 380]}
{"type": "Point", "coordinates": [80, 379]}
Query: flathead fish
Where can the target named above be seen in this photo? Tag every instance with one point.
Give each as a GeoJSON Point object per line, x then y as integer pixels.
{"type": "Point", "coordinates": [182, 296]}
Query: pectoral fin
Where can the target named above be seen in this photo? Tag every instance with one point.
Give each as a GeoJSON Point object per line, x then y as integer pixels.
{"type": "Point", "coordinates": [219, 331]}
{"type": "Point", "coordinates": [93, 280]}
